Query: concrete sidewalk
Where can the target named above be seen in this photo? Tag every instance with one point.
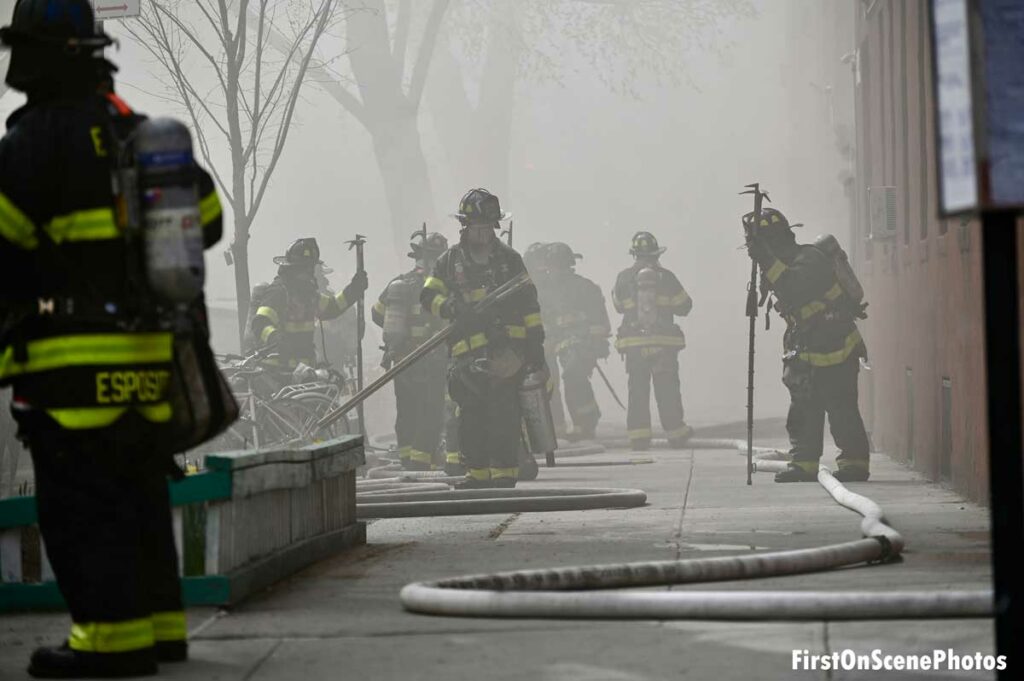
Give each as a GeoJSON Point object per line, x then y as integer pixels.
{"type": "Point", "coordinates": [341, 619]}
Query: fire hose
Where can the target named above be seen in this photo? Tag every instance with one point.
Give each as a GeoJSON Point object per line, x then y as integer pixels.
{"type": "Point", "coordinates": [494, 297]}
{"type": "Point", "coordinates": [566, 593]}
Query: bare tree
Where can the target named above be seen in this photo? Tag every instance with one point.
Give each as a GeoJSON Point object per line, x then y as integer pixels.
{"type": "Point", "coordinates": [247, 101]}
{"type": "Point", "coordinates": [627, 44]}
{"type": "Point", "coordinates": [389, 61]}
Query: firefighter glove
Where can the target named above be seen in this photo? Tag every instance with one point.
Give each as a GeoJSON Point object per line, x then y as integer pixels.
{"type": "Point", "coordinates": [758, 250]}
{"type": "Point", "coordinates": [357, 287]}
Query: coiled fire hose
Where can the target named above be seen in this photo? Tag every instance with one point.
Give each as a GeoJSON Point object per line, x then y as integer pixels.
{"type": "Point", "coordinates": [567, 593]}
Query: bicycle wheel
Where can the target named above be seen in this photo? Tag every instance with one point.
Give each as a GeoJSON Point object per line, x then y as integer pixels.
{"type": "Point", "coordinates": [322, 405]}
{"type": "Point", "coordinates": [285, 421]}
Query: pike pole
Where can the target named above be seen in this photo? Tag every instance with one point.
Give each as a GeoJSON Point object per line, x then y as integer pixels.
{"type": "Point", "coordinates": [496, 296]}
{"type": "Point", "coordinates": [608, 384]}
{"type": "Point", "coordinates": [357, 244]}
{"type": "Point", "coordinates": [752, 305]}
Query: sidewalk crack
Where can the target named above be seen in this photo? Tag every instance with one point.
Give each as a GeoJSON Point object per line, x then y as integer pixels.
{"type": "Point", "coordinates": [677, 537]}
{"type": "Point", "coordinates": [497, 531]}
{"type": "Point", "coordinates": [266, 656]}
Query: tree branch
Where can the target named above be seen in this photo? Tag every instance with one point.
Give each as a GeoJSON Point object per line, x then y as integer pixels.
{"type": "Point", "coordinates": [285, 126]}
{"type": "Point", "coordinates": [426, 51]}
{"type": "Point", "coordinates": [401, 40]}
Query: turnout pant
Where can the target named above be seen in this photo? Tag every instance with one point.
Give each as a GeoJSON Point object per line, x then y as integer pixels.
{"type": "Point", "coordinates": [105, 517]}
{"type": "Point", "coordinates": [815, 392]}
{"type": "Point", "coordinates": [660, 367]}
{"type": "Point", "coordinates": [452, 448]}
{"type": "Point", "coordinates": [490, 430]}
{"type": "Point", "coordinates": [555, 393]}
{"type": "Point", "coordinates": [419, 403]}
{"type": "Point", "coordinates": [577, 368]}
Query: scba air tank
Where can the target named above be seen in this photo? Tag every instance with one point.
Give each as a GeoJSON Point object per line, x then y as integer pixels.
{"type": "Point", "coordinates": [171, 219]}
{"type": "Point", "coordinates": [647, 297]}
{"type": "Point", "coordinates": [396, 312]}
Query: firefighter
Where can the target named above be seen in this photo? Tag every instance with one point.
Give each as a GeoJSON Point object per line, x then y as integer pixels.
{"type": "Point", "coordinates": [491, 351]}
{"type": "Point", "coordinates": [288, 309]}
{"type": "Point", "coordinates": [535, 259]}
{"type": "Point", "coordinates": [649, 297]}
{"type": "Point", "coordinates": [419, 391]}
{"type": "Point", "coordinates": [578, 329]}
{"type": "Point", "coordinates": [87, 350]}
{"type": "Point", "coordinates": [822, 347]}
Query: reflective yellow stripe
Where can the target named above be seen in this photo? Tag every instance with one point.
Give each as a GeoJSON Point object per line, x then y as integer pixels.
{"type": "Point", "coordinates": [87, 417]}
{"type": "Point", "coordinates": [169, 626]}
{"type": "Point", "coordinates": [498, 473]}
{"type": "Point", "coordinates": [379, 308]}
{"type": "Point", "coordinates": [156, 413]}
{"type": "Point", "coordinates": [814, 307]}
{"type": "Point", "coordinates": [453, 457]}
{"type": "Point", "coordinates": [680, 298]}
{"type": "Point", "coordinates": [84, 225]}
{"type": "Point", "coordinates": [342, 300]}
{"type": "Point", "coordinates": [88, 350]}
{"type": "Point", "coordinates": [323, 302]}
{"type": "Point", "coordinates": [209, 208]}
{"type": "Point", "coordinates": [435, 305]}
{"type": "Point", "coordinates": [827, 359]}
{"type": "Point", "coordinates": [111, 637]}
{"type": "Point", "coordinates": [628, 304]}
{"type": "Point", "coordinates": [639, 434]}
{"type": "Point", "coordinates": [15, 225]}
{"type": "Point", "coordinates": [775, 271]}
{"type": "Point", "coordinates": [681, 431]}
{"type": "Point", "coordinates": [266, 333]}
{"type": "Point", "coordinates": [474, 295]}
{"type": "Point", "coordinates": [516, 331]}
{"type": "Point", "coordinates": [602, 331]}
{"type": "Point", "coordinates": [806, 466]}
{"type": "Point", "coordinates": [419, 455]}
{"type": "Point", "coordinates": [646, 341]}
{"type": "Point", "coordinates": [479, 473]}
{"type": "Point", "coordinates": [857, 464]}
{"type": "Point", "coordinates": [477, 340]}
{"type": "Point", "coordinates": [404, 451]}
{"type": "Point", "coordinates": [270, 313]}
{"type": "Point", "coordinates": [532, 320]}
{"type": "Point", "coordinates": [437, 285]}
{"type": "Point", "coordinates": [420, 331]}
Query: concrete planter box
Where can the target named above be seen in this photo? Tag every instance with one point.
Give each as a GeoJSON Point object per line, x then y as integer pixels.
{"type": "Point", "coordinates": [250, 519]}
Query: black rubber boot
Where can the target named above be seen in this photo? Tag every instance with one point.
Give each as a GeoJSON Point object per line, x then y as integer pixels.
{"type": "Point", "coordinates": [795, 474]}
{"type": "Point", "coordinates": [64, 663]}
{"type": "Point", "coordinates": [851, 474]}
{"type": "Point", "coordinates": [410, 465]}
{"type": "Point", "coordinates": [503, 483]}
{"type": "Point", "coordinates": [171, 651]}
{"type": "Point", "coordinates": [454, 469]}
{"type": "Point", "coordinates": [473, 483]}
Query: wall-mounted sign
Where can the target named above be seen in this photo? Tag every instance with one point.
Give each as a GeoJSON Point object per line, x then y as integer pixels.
{"type": "Point", "coordinates": [116, 9]}
{"type": "Point", "coordinates": [978, 50]}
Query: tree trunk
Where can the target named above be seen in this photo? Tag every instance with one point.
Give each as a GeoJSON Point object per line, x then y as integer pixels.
{"type": "Point", "coordinates": [478, 140]}
{"type": "Point", "coordinates": [243, 289]}
{"type": "Point", "coordinates": [403, 168]}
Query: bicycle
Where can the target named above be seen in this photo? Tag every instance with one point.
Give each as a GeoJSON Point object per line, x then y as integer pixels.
{"type": "Point", "coordinates": [271, 415]}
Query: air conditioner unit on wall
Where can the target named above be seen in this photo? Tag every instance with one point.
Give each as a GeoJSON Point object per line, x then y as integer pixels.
{"type": "Point", "coordinates": [882, 212]}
